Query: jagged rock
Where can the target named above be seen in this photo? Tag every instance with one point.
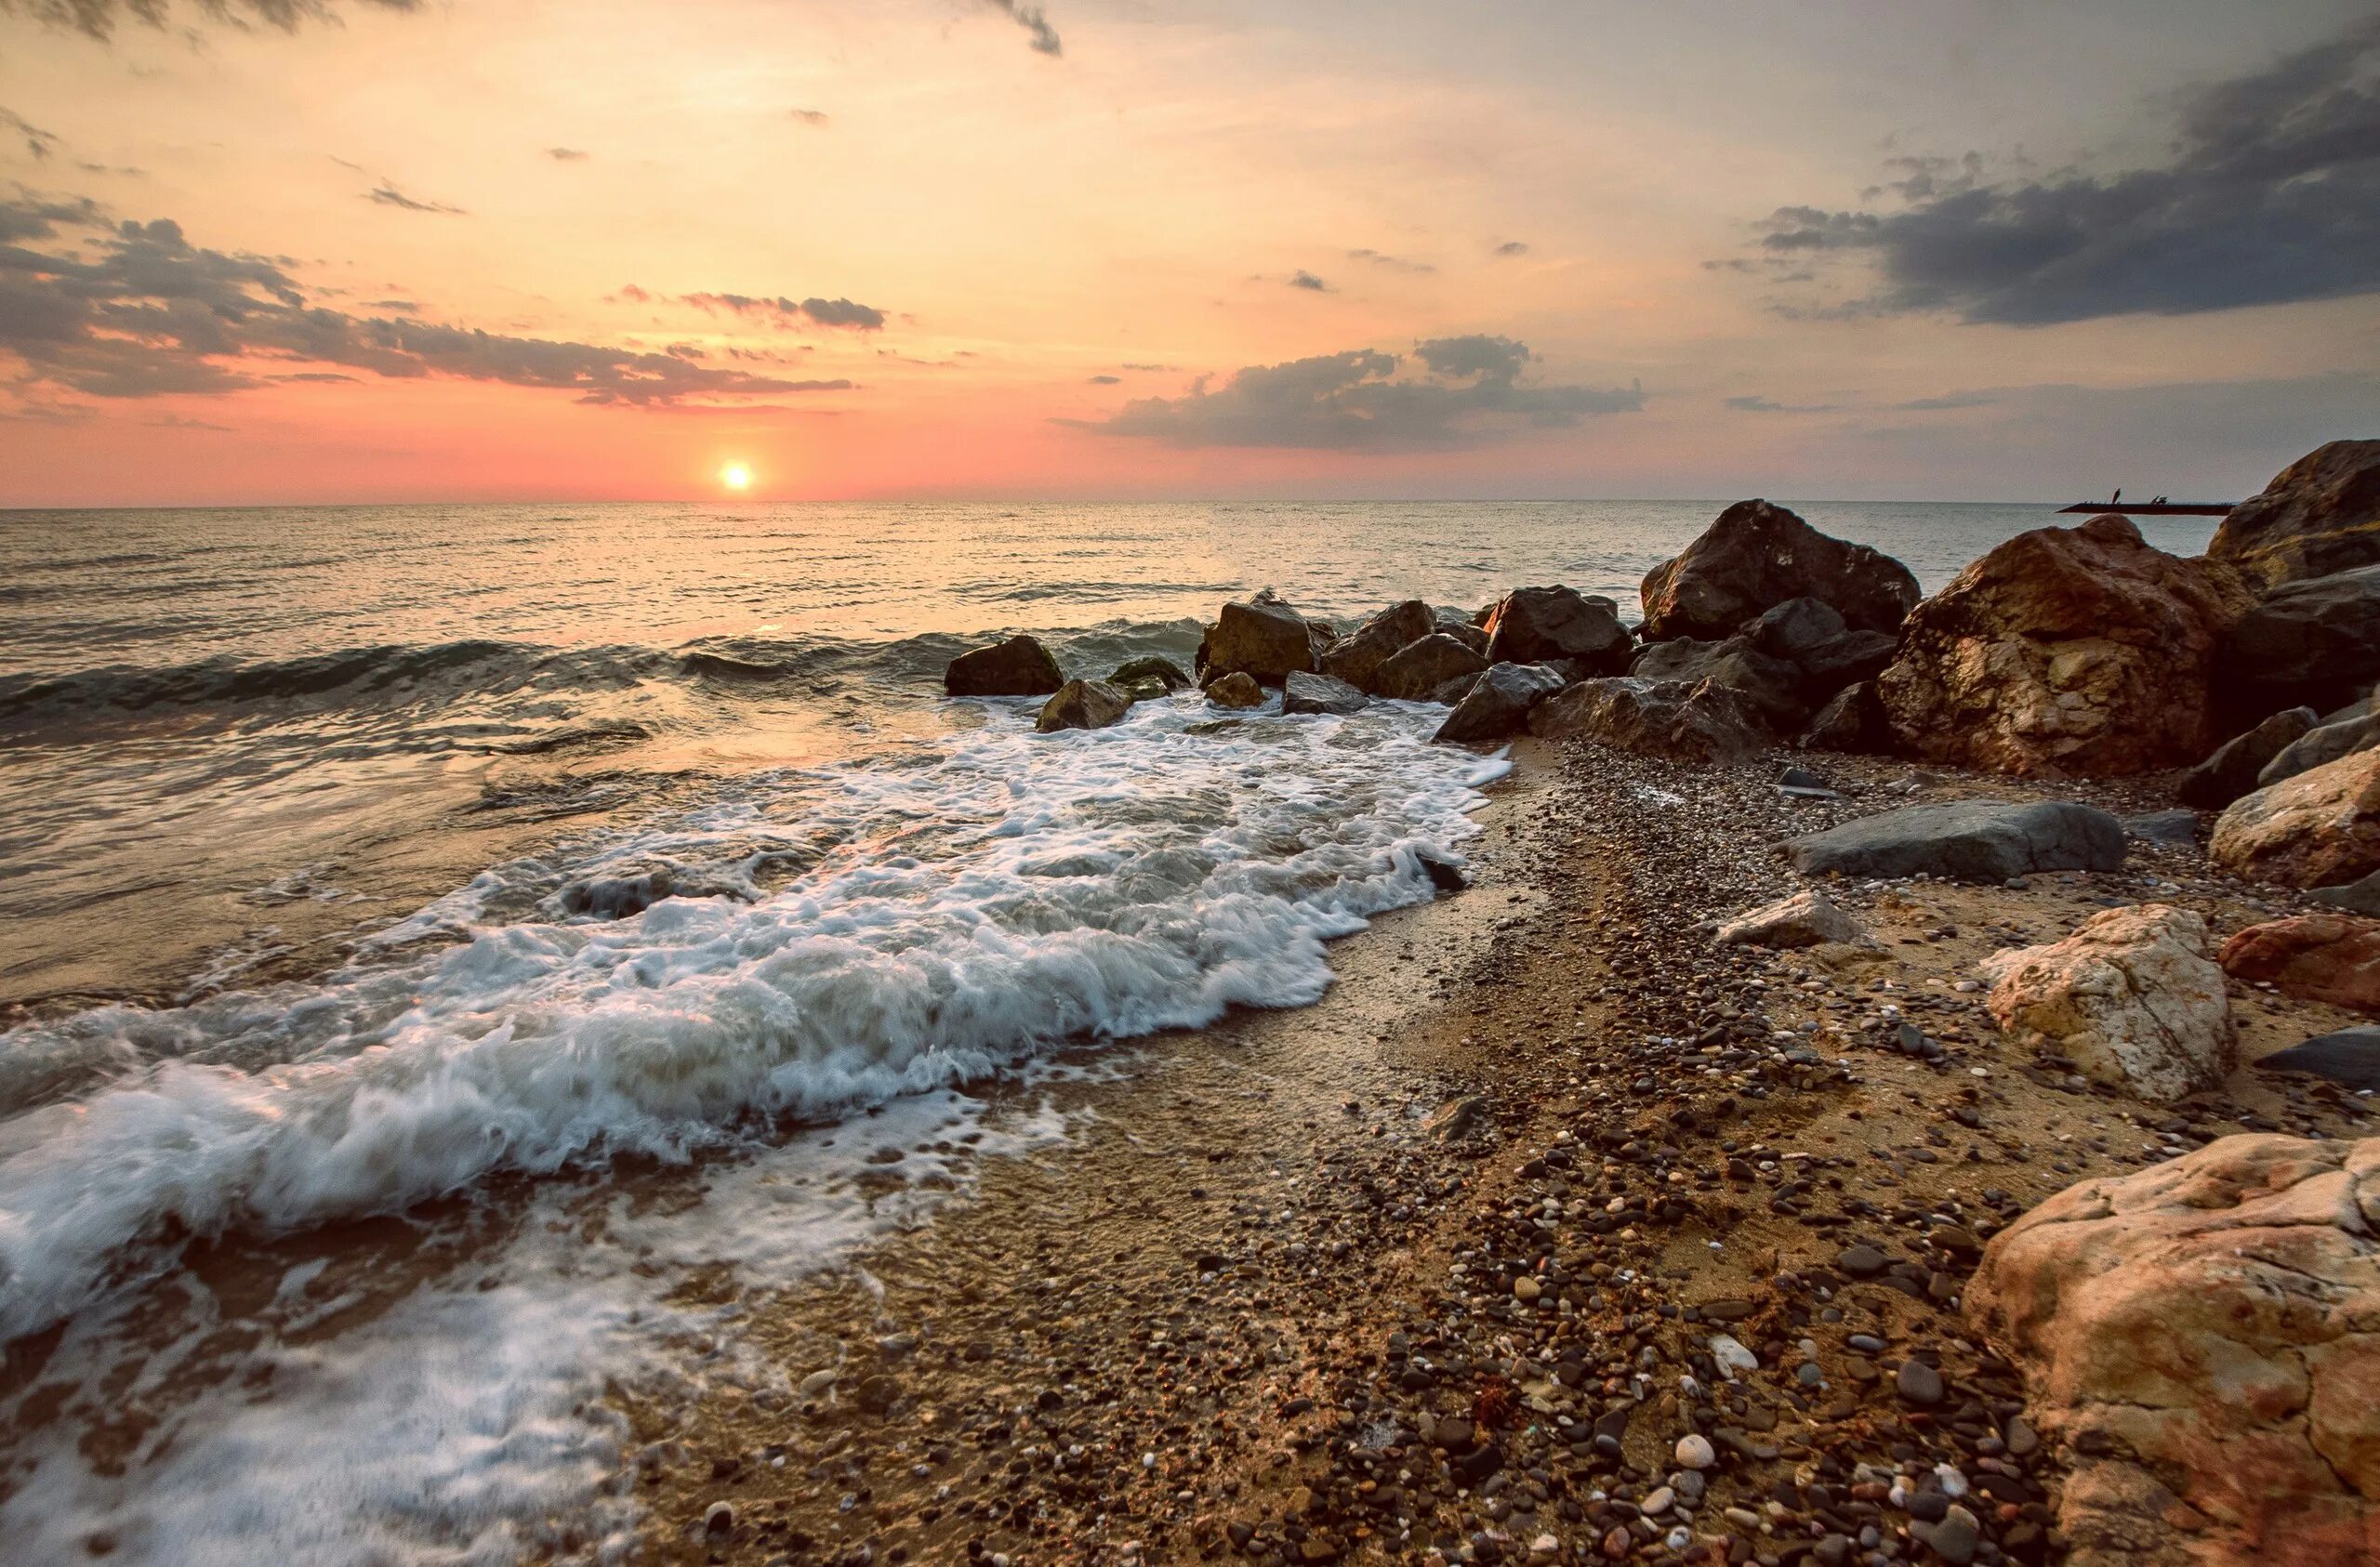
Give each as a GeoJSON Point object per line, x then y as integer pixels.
{"type": "Point", "coordinates": [1852, 722]}
{"type": "Point", "coordinates": [1136, 674]}
{"type": "Point", "coordinates": [1970, 840]}
{"type": "Point", "coordinates": [2331, 958]}
{"type": "Point", "coordinates": [2356, 897]}
{"type": "Point", "coordinates": [2348, 1055]}
{"type": "Point", "coordinates": [2233, 769]}
{"type": "Point", "coordinates": [1536, 625]}
{"type": "Point", "coordinates": [1237, 691]}
{"type": "Point", "coordinates": [2320, 514]}
{"type": "Point", "coordinates": [2314, 643]}
{"type": "Point", "coordinates": [2319, 746]}
{"type": "Point", "coordinates": [1020, 667]}
{"type": "Point", "coordinates": [2317, 829]}
{"type": "Point", "coordinates": [1811, 637]}
{"type": "Point", "coordinates": [2064, 653]}
{"type": "Point", "coordinates": [1472, 633]}
{"type": "Point", "coordinates": [2132, 999]}
{"type": "Point", "coordinates": [1454, 690]}
{"type": "Point", "coordinates": [1701, 723]}
{"type": "Point", "coordinates": [1806, 919]}
{"type": "Point", "coordinates": [1415, 673]}
{"type": "Point", "coordinates": [1084, 704]}
{"type": "Point", "coordinates": [1264, 637]}
{"type": "Point", "coordinates": [1356, 657]}
{"type": "Point", "coordinates": [1498, 704]}
{"type": "Point", "coordinates": [1771, 686]}
{"type": "Point", "coordinates": [1319, 694]}
{"type": "Point", "coordinates": [1757, 556]}
{"type": "Point", "coordinates": [2196, 1338]}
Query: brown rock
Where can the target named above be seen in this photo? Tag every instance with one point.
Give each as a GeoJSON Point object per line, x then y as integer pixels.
{"type": "Point", "coordinates": [2317, 829]}
{"type": "Point", "coordinates": [1237, 691]}
{"type": "Point", "coordinates": [1264, 637]}
{"type": "Point", "coordinates": [1084, 704]}
{"type": "Point", "coordinates": [1020, 667]}
{"type": "Point", "coordinates": [2320, 514]}
{"type": "Point", "coordinates": [2205, 1324]}
{"type": "Point", "coordinates": [1541, 625]}
{"type": "Point", "coordinates": [1416, 673]}
{"type": "Point", "coordinates": [1356, 657]}
{"type": "Point", "coordinates": [2065, 651]}
{"type": "Point", "coordinates": [1703, 723]}
{"type": "Point", "coordinates": [1757, 556]}
{"type": "Point", "coordinates": [2333, 958]}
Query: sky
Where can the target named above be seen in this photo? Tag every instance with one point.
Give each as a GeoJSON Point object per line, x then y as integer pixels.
{"type": "Point", "coordinates": [265, 251]}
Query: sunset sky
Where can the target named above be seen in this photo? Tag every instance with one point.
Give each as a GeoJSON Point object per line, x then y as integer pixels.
{"type": "Point", "coordinates": [605, 248]}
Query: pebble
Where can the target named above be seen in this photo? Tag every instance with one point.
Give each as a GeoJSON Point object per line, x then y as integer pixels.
{"type": "Point", "coordinates": [718, 1519]}
{"type": "Point", "coordinates": [1695, 1452]}
{"type": "Point", "coordinates": [1657, 1501]}
{"type": "Point", "coordinates": [1919, 1385]}
{"type": "Point", "coordinates": [1955, 1537]}
{"type": "Point", "coordinates": [1526, 1288]}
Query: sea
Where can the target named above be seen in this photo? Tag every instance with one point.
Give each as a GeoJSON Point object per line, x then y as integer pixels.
{"type": "Point", "coordinates": [398, 898]}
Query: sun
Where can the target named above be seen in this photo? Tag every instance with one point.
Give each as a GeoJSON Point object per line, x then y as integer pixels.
{"type": "Point", "coordinates": [736, 476]}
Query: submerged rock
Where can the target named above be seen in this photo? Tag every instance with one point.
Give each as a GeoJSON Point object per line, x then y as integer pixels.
{"type": "Point", "coordinates": [2330, 957]}
{"type": "Point", "coordinates": [1415, 673]}
{"type": "Point", "coordinates": [2132, 999]}
{"type": "Point", "coordinates": [1319, 694]}
{"type": "Point", "coordinates": [2233, 769]}
{"type": "Point", "coordinates": [1757, 556]}
{"type": "Point", "coordinates": [1084, 704]}
{"type": "Point", "coordinates": [1020, 667]}
{"type": "Point", "coordinates": [1539, 625]}
{"type": "Point", "coordinates": [2320, 514]}
{"type": "Point", "coordinates": [2317, 829]}
{"type": "Point", "coordinates": [1356, 657]}
{"type": "Point", "coordinates": [1969, 840]}
{"type": "Point", "coordinates": [1701, 723]}
{"type": "Point", "coordinates": [1499, 703]}
{"type": "Point", "coordinates": [1237, 691]}
{"type": "Point", "coordinates": [1136, 674]}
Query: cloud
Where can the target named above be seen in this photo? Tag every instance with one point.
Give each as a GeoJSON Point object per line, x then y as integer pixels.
{"type": "Point", "coordinates": [1145, 367]}
{"type": "Point", "coordinates": [1107, 380]}
{"type": "Point", "coordinates": [135, 309]}
{"type": "Point", "coordinates": [1030, 17]}
{"type": "Point", "coordinates": [1303, 279]}
{"type": "Point", "coordinates": [2270, 194]}
{"type": "Point", "coordinates": [1393, 263]}
{"type": "Point", "coordinates": [840, 314]}
{"type": "Point", "coordinates": [1948, 401]}
{"type": "Point", "coordinates": [566, 155]}
{"type": "Point", "coordinates": [388, 195]}
{"type": "Point", "coordinates": [1758, 405]}
{"type": "Point", "coordinates": [98, 18]}
{"type": "Point", "coordinates": [810, 116]}
{"type": "Point", "coordinates": [39, 143]}
{"type": "Point", "coordinates": [1513, 247]}
{"type": "Point", "coordinates": [1470, 392]}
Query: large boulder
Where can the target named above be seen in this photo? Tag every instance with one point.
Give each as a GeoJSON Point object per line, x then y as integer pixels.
{"type": "Point", "coordinates": [2317, 829]}
{"type": "Point", "coordinates": [1703, 723]}
{"type": "Point", "coordinates": [1319, 694]}
{"type": "Point", "coordinates": [1539, 625]}
{"type": "Point", "coordinates": [1084, 704]}
{"type": "Point", "coordinates": [1812, 638]}
{"type": "Point", "coordinates": [1356, 657]}
{"type": "Point", "coordinates": [2349, 1056]}
{"type": "Point", "coordinates": [1498, 704]}
{"type": "Point", "coordinates": [2319, 746]}
{"type": "Point", "coordinates": [1416, 673]}
{"type": "Point", "coordinates": [2331, 957]}
{"type": "Point", "coordinates": [1808, 919]}
{"type": "Point", "coordinates": [1757, 556]}
{"type": "Point", "coordinates": [1263, 638]}
{"type": "Point", "coordinates": [1020, 667]}
{"type": "Point", "coordinates": [2314, 643]}
{"type": "Point", "coordinates": [2064, 653]}
{"type": "Point", "coordinates": [1967, 840]}
{"type": "Point", "coordinates": [2234, 768]}
{"type": "Point", "coordinates": [1771, 686]}
{"type": "Point", "coordinates": [2320, 514]}
{"type": "Point", "coordinates": [2132, 999]}
{"type": "Point", "coordinates": [2196, 1340]}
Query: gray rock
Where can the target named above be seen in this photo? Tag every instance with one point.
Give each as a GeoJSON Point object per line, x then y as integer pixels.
{"type": "Point", "coordinates": [1704, 723]}
{"type": "Point", "coordinates": [1955, 1539]}
{"type": "Point", "coordinates": [2319, 747]}
{"type": "Point", "coordinates": [2356, 897]}
{"type": "Point", "coordinates": [1301, 692]}
{"type": "Point", "coordinates": [1498, 704]}
{"type": "Point", "coordinates": [1414, 673]}
{"type": "Point", "coordinates": [1771, 684]}
{"type": "Point", "coordinates": [2350, 1056]}
{"type": "Point", "coordinates": [2315, 642]}
{"type": "Point", "coordinates": [1084, 704]}
{"type": "Point", "coordinates": [2233, 769]}
{"type": "Point", "coordinates": [1918, 1384]}
{"type": "Point", "coordinates": [2176, 828]}
{"type": "Point", "coordinates": [1970, 840]}
{"type": "Point", "coordinates": [1020, 667]}
{"type": "Point", "coordinates": [1534, 624]}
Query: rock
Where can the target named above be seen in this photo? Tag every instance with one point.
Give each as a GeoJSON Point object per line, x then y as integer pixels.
{"type": "Point", "coordinates": [2319, 746]}
{"type": "Point", "coordinates": [1261, 636]}
{"type": "Point", "coordinates": [2314, 643]}
{"type": "Point", "coordinates": [1811, 637]}
{"type": "Point", "coordinates": [1153, 667]}
{"type": "Point", "coordinates": [2330, 957]}
{"type": "Point", "coordinates": [2356, 897]}
{"type": "Point", "coordinates": [1498, 704]}
{"type": "Point", "coordinates": [719, 1519]}
{"type": "Point", "coordinates": [1534, 624]}
{"type": "Point", "coordinates": [1805, 919]}
{"type": "Point", "coordinates": [1470, 630]}
{"type": "Point", "coordinates": [2233, 769]}
{"type": "Point", "coordinates": [1918, 1384]}
{"type": "Point", "coordinates": [1239, 691]}
{"type": "Point", "coordinates": [1955, 1537]}
{"type": "Point", "coordinates": [2317, 829]}
{"type": "Point", "coordinates": [1695, 1452]}
{"type": "Point", "coordinates": [2320, 514]}
{"type": "Point", "coordinates": [879, 1393]}
{"type": "Point", "coordinates": [1971, 840]}
{"type": "Point", "coordinates": [1794, 629]}
{"type": "Point", "coordinates": [2349, 1056]}
{"type": "Point", "coordinates": [2130, 998]}
{"type": "Point", "coordinates": [2065, 652]}
{"type": "Point", "coordinates": [1772, 686]}
{"type": "Point", "coordinates": [1703, 723]}
{"type": "Point", "coordinates": [1861, 1261]}
{"type": "Point", "coordinates": [1852, 722]}
{"type": "Point", "coordinates": [1415, 672]}
{"type": "Point", "coordinates": [1356, 657]}
{"type": "Point", "coordinates": [1757, 556]}
{"type": "Point", "coordinates": [2177, 827]}
{"type": "Point", "coordinates": [1020, 667]}
{"type": "Point", "coordinates": [1084, 704]}
{"type": "Point", "coordinates": [2204, 1324]}
{"type": "Point", "coordinates": [1301, 692]}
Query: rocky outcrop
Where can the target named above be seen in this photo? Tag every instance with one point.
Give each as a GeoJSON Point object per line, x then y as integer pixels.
{"type": "Point", "coordinates": [1703, 723]}
{"type": "Point", "coordinates": [1967, 840]}
{"type": "Point", "coordinates": [1808, 919]}
{"type": "Point", "coordinates": [1263, 638]}
{"type": "Point", "coordinates": [1771, 686]}
{"type": "Point", "coordinates": [1238, 691]}
{"type": "Point", "coordinates": [1319, 694]}
{"type": "Point", "coordinates": [1757, 556]}
{"type": "Point", "coordinates": [1150, 676]}
{"type": "Point", "coordinates": [2202, 1339]}
{"type": "Point", "coordinates": [2132, 999]}
{"type": "Point", "coordinates": [2065, 652]}
{"type": "Point", "coordinates": [2314, 643]}
{"type": "Point", "coordinates": [1020, 667]}
{"type": "Point", "coordinates": [2233, 769]}
{"type": "Point", "coordinates": [1498, 704]}
{"type": "Point", "coordinates": [1084, 704]}
{"type": "Point", "coordinates": [2331, 957]}
{"type": "Point", "coordinates": [2350, 1057]}
{"type": "Point", "coordinates": [2319, 746]}
{"type": "Point", "coordinates": [1356, 657]}
{"type": "Point", "coordinates": [1539, 625]}
{"type": "Point", "coordinates": [2320, 514]}
{"type": "Point", "coordinates": [1416, 673]}
{"type": "Point", "coordinates": [2317, 829]}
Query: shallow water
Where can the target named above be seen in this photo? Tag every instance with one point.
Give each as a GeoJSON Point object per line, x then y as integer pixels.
{"type": "Point", "coordinates": [394, 890]}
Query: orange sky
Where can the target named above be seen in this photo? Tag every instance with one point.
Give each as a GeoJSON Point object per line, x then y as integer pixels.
{"type": "Point", "coordinates": [1175, 195]}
